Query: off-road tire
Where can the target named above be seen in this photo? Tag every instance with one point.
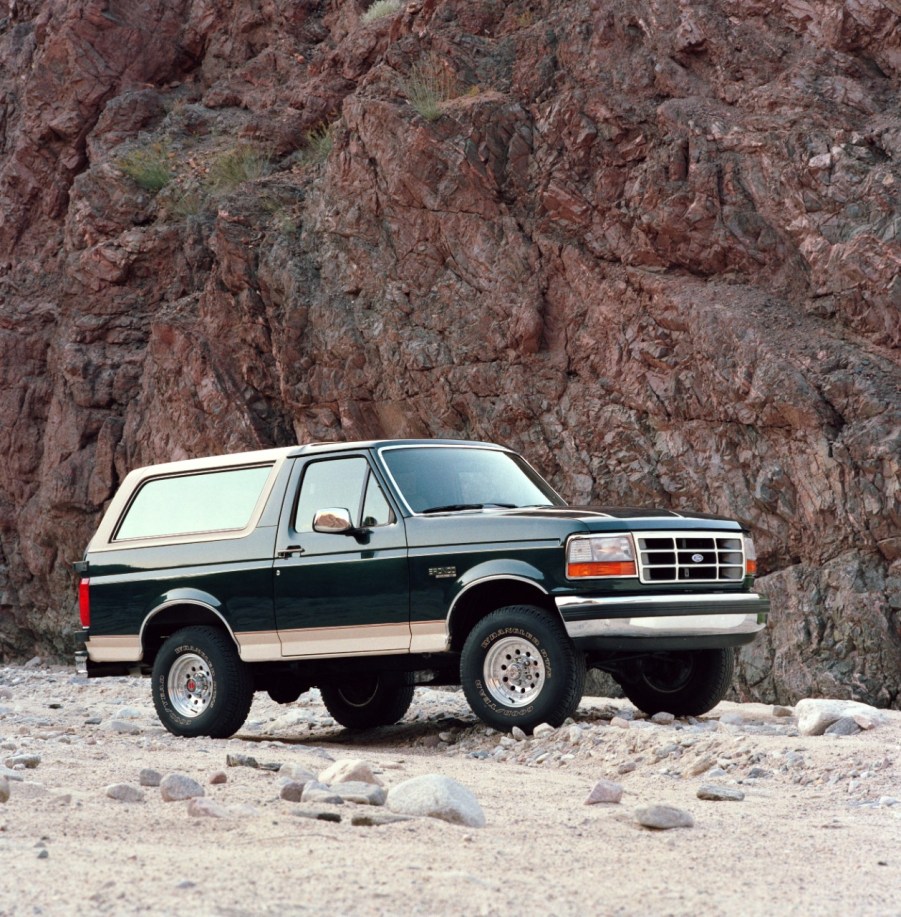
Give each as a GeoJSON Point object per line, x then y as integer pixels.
{"type": "Point", "coordinates": [520, 668]}
{"type": "Point", "coordinates": [200, 685]}
{"type": "Point", "coordinates": [685, 683]}
{"type": "Point", "coordinates": [366, 702]}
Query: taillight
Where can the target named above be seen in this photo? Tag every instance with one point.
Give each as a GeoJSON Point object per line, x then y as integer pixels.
{"type": "Point", "coordinates": [84, 602]}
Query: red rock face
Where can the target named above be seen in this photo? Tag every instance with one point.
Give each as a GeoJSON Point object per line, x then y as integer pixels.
{"type": "Point", "coordinates": [653, 245]}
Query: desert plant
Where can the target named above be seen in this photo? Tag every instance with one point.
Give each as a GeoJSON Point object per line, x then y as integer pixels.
{"type": "Point", "coordinates": [429, 85]}
{"type": "Point", "coordinates": [147, 166]}
{"type": "Point", "coordinates": [239, 164]}
{"type": "Point", "coordinates": [380, 9]}
{"type": "Point", "coordinates": [319, 143]}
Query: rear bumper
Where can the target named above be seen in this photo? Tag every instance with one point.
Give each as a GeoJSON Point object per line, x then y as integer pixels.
{"type": "Point", "coordinates": [664, 622]}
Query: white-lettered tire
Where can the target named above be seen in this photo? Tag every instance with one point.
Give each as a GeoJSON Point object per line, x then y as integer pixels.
{"type": "Point", "coordinates": [520, 668]}
{"type": "Point", "coordinates": [368, 701]}
{"type": "Point", "coordinates": [200, 685]}
{"type": "Point", "coordinates": [685, 683]}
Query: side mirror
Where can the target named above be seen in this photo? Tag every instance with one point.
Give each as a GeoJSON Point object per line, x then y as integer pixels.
{"type": "Point", "coordinates": [335, 521]}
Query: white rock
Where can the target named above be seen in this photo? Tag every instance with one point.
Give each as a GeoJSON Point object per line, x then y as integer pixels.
{"type": "Point", "coordinates": [348, 770]}
{"type": "Point", "coordinates": [518, 734]}
{"type": "Point", "coordinates": [720, 793]}
{"type": "Point", "coordinates": [620, 722]}
{"type": "Point", "coordinates": [815, 715]}
{"type": "Point", "coordinates": [663, 718]}
{"type": "Point", "coordinates": [198, 808]}
{"type": "Point", "coordinates": [296, 772]}
{"type": "Point", "coordinates": [314, 791]}
{"type": "Point", "coordinates": [435, 796]}
{"type": "Point", "coordinates": [542, 730]}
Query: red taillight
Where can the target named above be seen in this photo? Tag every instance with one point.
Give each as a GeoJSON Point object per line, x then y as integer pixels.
{"type": "Point", "coordinates": [84, 602]}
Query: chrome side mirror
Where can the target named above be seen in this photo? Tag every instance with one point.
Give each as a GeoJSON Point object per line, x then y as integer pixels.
{"type": "Point", "coordinates": [335, 521]}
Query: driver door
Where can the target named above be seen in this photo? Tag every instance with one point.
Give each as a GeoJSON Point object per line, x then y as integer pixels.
{"type": "Point", "coordinates": [341, 594]}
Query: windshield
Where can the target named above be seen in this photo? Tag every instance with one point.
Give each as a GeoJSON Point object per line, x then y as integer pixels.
{"type": "Point", "coordinates": [448, 478]}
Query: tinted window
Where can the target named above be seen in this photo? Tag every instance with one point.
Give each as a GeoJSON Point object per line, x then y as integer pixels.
{"type": "Point", "coordinates": [190, 503]}
{"type": "Point", "coordinates": [439, 476]}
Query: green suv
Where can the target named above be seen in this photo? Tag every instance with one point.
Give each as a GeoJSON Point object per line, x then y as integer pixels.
{"type": "Point", "coordinates": [368, 568]}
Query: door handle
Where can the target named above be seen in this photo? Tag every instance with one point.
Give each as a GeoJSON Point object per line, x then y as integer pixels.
{"type": "Point", "coordinates": [291, 549]}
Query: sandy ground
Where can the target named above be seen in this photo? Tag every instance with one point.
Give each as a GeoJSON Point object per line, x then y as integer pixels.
{"type": "Point", "coordinates": [818, 831]}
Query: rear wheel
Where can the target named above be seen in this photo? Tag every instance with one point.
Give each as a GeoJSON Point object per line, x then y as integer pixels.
{"type": "Point", "coordinates": [520, 668]}
{"type": "Point", "coordinates": [200, 685]}
{"type": "Point", "coordinates": [373, 700]}
{"type": "Point", "coordinates": [685, 683]}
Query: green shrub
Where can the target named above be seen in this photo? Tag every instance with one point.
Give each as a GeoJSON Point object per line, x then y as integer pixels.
{"type": "Point", "coordinates": [429, 85]}
{"type": "Point", "coordinates": [148, 167]}
{"type": "Point", "coordinates": [380, 9]}
{"type": "Point", "coordinates": [233, 167]}
{"type": "Point", "coordinates": [319, 143]}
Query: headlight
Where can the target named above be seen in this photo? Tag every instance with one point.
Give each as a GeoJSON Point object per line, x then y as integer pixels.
{"type": "Point", "coordinates": [600, 555]}
{"type": "Point", "coordinates": [750, 556]}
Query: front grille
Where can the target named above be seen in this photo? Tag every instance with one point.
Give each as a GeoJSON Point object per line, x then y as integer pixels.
{"type": "Point", "coordinates": [690, 557]}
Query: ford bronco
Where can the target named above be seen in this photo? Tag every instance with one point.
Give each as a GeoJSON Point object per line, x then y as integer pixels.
{"type": "Point", "coordinates": [368, 568]}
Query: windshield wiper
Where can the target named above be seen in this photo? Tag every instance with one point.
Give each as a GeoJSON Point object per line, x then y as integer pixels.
{"type": "Point", "coordinates": [457, 507]}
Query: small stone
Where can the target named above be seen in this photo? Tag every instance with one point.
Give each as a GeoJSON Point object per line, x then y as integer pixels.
{"type": "Point", "coordinates": [149, 777]}
{"type": "Point", "coordinates": [845, 726]}
{"type": "Point", "coordinates": [518, 734]}
{"type": "Point", "coordinates": [218, 778]}
{"type": "Point", "coordinates": [888, 801]}
{"type": "Point", "coordinates": [176, 787]}
{"type": "Point", "coordinates": [317, 813]}
{"type": "Point", "coordinates": [663, 718]}
{"type": "Point", "coordinates": [4, 790]}
{"type": "Point", "coordinates": [125, 792]}
{"type": "Point", "coordinates": [128, 713]}
{"type": "Point", "coordinates": [124, 727]}
{"type": "Point", "coordinates": [700, 766]}
{"type": "Point", "coordinates": [604, 791]}
{"type": "Point", "coordinates": [435, 796]}
{"type": "Point", "coordinates": [716, 772]}
{"type": "Point", "coordinates": [759, 773]}
{"type": "Point", "coordinates": [364, 794]}
{"type": "Point", "coordinates": [620, 723]}
{"type": "Point", "coordinates": [348, 770]}
{"type": "Point", "coordinates": [292, 791]}
{"type": "Point", "coordinates": [296, 772]}
{"type": "Point", "coordinates": [574, 734]}
{"type": "Point", "coordinates": [29, 762]}
{"type": "Point", "coordinates": [627, 767]}
{"type": "Point", "coordinates": [317, 792]}
{"type": "Point", "coordinates": [446, 737]}
{"type": "Point", "coordinates": [815, 715]}
{"type": "Point", "coordinates": [93, 721]}
{"type": "Point", "coordinates": [542, 730]}
{"type": "Point", "coordinates": [44, 854]}
{"type": "Point", "coordinates": [375, 819]}
{"type": "Point", "coordinates": [241, 761]}
{"type": "Point", "coordinates": [782, 711]}
{"type": "Point", "coordinates": [663, 817]}
{"type": "Point", "coordinates": [720, 793]}
{"type": "Point", "coordinates": [206, 808]}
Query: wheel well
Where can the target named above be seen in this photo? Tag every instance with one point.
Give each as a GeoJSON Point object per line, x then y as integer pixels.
{"type": "Point", "coordinates": [480, 601]}
{"type": "Point", "coordinates": [166, 622]}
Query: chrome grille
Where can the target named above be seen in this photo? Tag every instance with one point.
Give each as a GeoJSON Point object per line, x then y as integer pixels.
{"type": "Point", "coordinates": [690, 557]}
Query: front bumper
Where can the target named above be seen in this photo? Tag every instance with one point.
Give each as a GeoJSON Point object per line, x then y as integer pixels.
{"type": "Point", "coordinates": [663, 622]}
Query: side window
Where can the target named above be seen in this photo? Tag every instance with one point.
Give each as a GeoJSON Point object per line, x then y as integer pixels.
{"type": "Point", "coordinates": [212, 501]}
{"type": "Point", "coordinates": [376, 510]}
{"type": "Point", "coordinates": [330, 484]}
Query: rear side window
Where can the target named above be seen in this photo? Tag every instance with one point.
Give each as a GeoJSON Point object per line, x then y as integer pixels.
{"type": "Point", "coordinates": [213, 501]}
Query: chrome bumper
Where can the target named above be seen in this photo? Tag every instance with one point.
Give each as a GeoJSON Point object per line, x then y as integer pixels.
{"type": "Point", "coordinates": [735, 615]}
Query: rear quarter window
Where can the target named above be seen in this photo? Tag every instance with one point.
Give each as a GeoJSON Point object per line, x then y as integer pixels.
{"type": "Point", "coordinates": [188, 504]}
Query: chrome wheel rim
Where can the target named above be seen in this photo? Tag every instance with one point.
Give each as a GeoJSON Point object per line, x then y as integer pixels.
{"type": "Point", "coordinates": [514, 672]}
{"type": "Point", "coordinates": [190, 685]}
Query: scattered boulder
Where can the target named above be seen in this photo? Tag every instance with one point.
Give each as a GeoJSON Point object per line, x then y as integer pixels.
{"type": "Point", "coordinates": [28, 762]}
{"type": "Point", "coordinates": [663, 817]}
{"type": "Point", "coordinates": [125, 792]}
{"type": "Point", "coordinates": [844, 726]}
{"type": "Point", "coordinates": [720, 793]}
{"type": "Point", "coordinates": [435, 796]}
{"type": "Point", "coordinates": [124, 727]}
{"type": "Point", "coordinates": [149, 777]}
{"type": "Point", "coordinates": [218, 778]}
{"type": "Point", "coordinates": [348, 770]}
{"type": "Point", "coordinates": [604, 791]}
{"type": "Point", "coordinates": [177, 787]}
{"type": "Point", "coordinates": [816, 715]}
{"type": "Point", "coordinates": [206, 808]}
{"type": "Point", "coordinates": [296, 772]}
{"type": "Point", "coordinates": [543, 730]}
{"type": "Point", "coordinates": [318, 792]}
{"type": "Point", "coordinates": [663, 718]}
{"type": "Point", "coordinates": [368, 794]}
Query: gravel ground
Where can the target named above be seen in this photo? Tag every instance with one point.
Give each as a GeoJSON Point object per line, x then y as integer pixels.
{"type": "Point", "coordinates": [818, 830]}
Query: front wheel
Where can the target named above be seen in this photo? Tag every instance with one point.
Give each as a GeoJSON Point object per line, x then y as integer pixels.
{"type": "Point", "coordinates": [686, 683]}
{"type": "Point", "coordinates": [200, 685]}
{"type": "Point", "coordinates": [520, 668]}
{"type": "Point", "coordinates": [362, 703]}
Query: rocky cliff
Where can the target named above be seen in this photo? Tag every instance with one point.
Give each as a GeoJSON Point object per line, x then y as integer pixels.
{"type": "Point", "coordinates": [652, 244]}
